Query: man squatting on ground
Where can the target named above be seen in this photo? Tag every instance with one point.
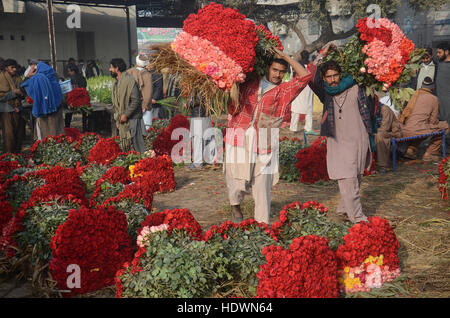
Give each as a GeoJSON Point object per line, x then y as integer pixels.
{"type": "Point", "coordinates": [250, 162]}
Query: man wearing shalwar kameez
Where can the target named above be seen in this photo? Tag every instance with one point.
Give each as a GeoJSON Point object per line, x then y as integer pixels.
{"type": "Point", "coordinates": [127, 102]}
{"type": "Point", "coordinates": [251, 163]}
{"type": "Point", "coordinates": [347, 124]}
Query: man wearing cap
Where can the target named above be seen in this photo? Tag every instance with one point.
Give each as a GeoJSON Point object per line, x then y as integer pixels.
{"type": "Point", "coordinates": [144, 80]}
{"type": "Point", "coordinates": [12, 123]}
{"type": "Point", "coordinates": [420, 117]}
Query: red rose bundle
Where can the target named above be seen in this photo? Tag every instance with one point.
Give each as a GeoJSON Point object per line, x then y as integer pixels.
{"type": "Point", "coordinates": [372, 238]}
{"type": "Point", "coordinates": [104, 151]}
{"type": "Point", "coordinates": [176, 219]}
{"type": "Point", "coordinates": [78, 99]}
{"type": "Point", "coordinates": [158, 170]}
{"type": "Point", "coordinates": [164, 144]}
{"type": "Point", "coordinates": [308, 269]}
{"type": "Point", "coordinates": [312, 162]}
{"type": "Point", "coordinates": [96, 241]}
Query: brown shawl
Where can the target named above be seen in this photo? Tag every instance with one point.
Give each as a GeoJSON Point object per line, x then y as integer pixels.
{"type": "Point", "coordinates": [412, 102]}
{"type": "Point", "coordinates": [8, 84]}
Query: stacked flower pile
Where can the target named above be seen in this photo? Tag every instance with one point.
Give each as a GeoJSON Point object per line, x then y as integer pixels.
{"type": "Point", "coordinates": [36, 199]}
{"type": "Point", "coordinates": [312, 162]}
{"type": "Point", "coordinates": [444, 173]}
{"type": "Point", "coordinates": [289, 147]}
{"type": "Point", "coordinates": [307, 269]}
{"type": "Point", "coordinates": [104, 151]}
{"type": "Point", "coordinates": [96, 240]}
{"type": "Point", "coordinates": [380, 57]}
{"type": "Point", "coordinates": [159, 169]}
{"type": "Point", "coordinates": [372, 238]}
{"type": "Point", "coordinates": [79, 100]}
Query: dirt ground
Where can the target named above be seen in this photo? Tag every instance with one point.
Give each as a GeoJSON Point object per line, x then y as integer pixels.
{"type": "Point", "coordinates": [408, 199]}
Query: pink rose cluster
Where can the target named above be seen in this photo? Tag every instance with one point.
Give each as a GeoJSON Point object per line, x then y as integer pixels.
{"type": "Point", "coordinates": [370, 274]}
{"type": "Point", "coordinates": [141, 239]}
{"type": "Point", "coordinates": [386, 57]}
{"type": "Point", "coordinates": [208, 59]}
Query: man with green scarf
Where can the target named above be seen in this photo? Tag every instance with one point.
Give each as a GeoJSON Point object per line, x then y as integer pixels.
{"type": "Point", "coordinates": [347, 122]}
{"type": "Point", "coordinates": [127, 102]}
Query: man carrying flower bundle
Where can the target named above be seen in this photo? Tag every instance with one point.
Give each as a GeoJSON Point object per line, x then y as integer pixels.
{"type": "Point", "coordinates": [250, 164]}
{"type": "Point", "coordinates": [127, 102]}
{"type": "Point", "coordinates": [347, 122]}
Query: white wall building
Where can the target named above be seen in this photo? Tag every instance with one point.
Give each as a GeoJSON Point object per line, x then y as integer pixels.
{"type": "Point", "coordinates": [102, 34]}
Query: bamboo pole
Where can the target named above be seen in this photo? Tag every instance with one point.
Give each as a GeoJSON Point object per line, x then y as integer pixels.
{"type": "Point", "coordinates": [51, 33]}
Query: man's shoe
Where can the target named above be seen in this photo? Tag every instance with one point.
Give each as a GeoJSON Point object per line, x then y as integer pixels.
{"type": "Point", "coordinates": [236, 214]}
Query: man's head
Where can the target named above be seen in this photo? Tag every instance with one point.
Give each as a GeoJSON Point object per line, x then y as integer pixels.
{"type": "Point", "coordinates": [442, 51]}
{"type": "Point", "coordinates": [10, 66]}
{"type": "Point", "coordinates": [117, 66]}
{"type": "Point", "coordinates": [72, 69]}
{"type": "Point", "coordinates": [331, 73]}
{"type": "Point", "coordinates": [428, 56]}
{"type": "Point", "coordinates": [142, 60]}
{"type": "Point", "coordinates": [276, 71]}
{"type": "Point", "coordinates": [428, 83]}
{"type": "Point", "coordinates": [305, 56]}
{"type": "Point", "coordinates": [71, 60]}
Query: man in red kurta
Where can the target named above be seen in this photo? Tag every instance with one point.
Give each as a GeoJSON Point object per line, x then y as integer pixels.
{"type": "Point", "coordinates": [251, 142]}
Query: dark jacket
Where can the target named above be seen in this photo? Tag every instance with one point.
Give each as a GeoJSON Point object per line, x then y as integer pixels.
{"type": "Point", "coordinates": [366, 106]}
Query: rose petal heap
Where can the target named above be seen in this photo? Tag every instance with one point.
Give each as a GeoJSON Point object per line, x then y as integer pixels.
{"type": "Point", "coordinates": [164, 143]}
{"type": "Point", "coordinates": [387, 48]}
{"type": "Point", "coordinates": [219, 42]}
{"type": "Point", "coordinates": [306, 270]}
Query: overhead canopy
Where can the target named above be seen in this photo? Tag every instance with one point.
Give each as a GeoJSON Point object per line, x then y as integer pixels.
{"type": "Point", "coordinates": [98, 3]}
{"type": "Point", "coordinates": [125, 4]}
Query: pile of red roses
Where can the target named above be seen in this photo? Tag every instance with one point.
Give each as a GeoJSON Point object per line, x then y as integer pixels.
{"type": "Point", "coordinates": [60, 139]}
{"type": "Point", "coordinates": [59, 181]}
{"type": "Point", "coordinates": [159, 170]}
{"type": "Point", "coordinates": [312, 162]}
{"type": "Point", "coordinates": [105, 150]}
{"type": "Point", "coordinates": [228, 30]}
{"type": "Point", "coordinates": [140, 191]}
{"type": "Point", "coordinates": [163, 143]}
{"type": "Point", "coordinates": [78, 98]}
{"type": "Point", "coordinates": [274, 40]}
{"type": "Point", "coordinates": [97, 241]}
{"type": "Point", "coordinates": [444, 172]}
{"type": "Point", "coordinates": [307, 269]}
{"type": "Point", "coordinates": [224, 228]}
{"type": "Point", "coordinates": [372, 238]}
{"type": "Point", "coordinates": [179, 219]}
{"type": "Point", "coordinates": [294, 207]}
{"type": "Point", "coordinates": [113, 175]}
{"type": "Point", "coordinates": [72, 134]}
